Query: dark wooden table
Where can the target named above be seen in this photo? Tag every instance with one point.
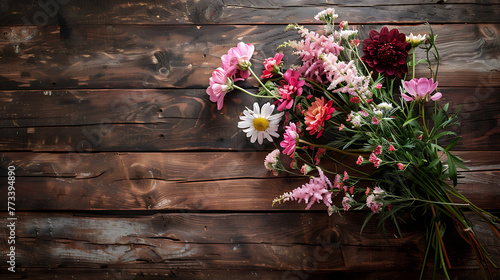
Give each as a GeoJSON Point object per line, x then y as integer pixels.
{"type": "Point", "coordinates": [126, 170]}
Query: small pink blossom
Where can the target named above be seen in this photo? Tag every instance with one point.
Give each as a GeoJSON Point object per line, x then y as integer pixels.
{"type": "Point", "coordinates": [341, 126]}
{"type": "Point", "coordinates": [355, 42]}
{"type": "Point", "coordinates": [378, 150]}
{"type": "Point", "coordinates": [360, 160]}
{"type": "Point", "coordinates": [271, 66]}
{"type": "Point", "coordinates": [378, 86]}
{"type": "Point", "coordinates": [346, 176]}
{"type": "Point", "coordinates": [347, 202]}
{"type": "Point", "coordinates": [420, 137]}
{"type": "Point", "coordinates": [391, 148]}
{"type": "Point", "coordinates": [375, 160]}
{"type": "Point", "coordinates": [351, 189]}
{"type": "Point", "coordinates": [375, 120]}
{"type": "Point", "coordinates": [303, 169]}
{"type": "Point", "coordinates": [291, 137]}
{"type": "Point", "coordinates": [401, 166]}
{"type": "Point", "coordinates": [363, 113]}
{"type": "Point", "coordinates": [219, 86]}
{"type": "Point", "coordinates": [420, 90]}
{"type": "Point", "coordinates": [271, 159]}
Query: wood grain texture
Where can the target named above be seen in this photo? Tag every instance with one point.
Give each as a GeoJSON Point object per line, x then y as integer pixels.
{"type": "Point", "coordinates": [243, 12]}
{"type": "Point", "coordinates": [132, 56]}
{"type": "Point", "coordinates": [228, 274]}
{"type": "Point", "coordinates": [180, 119]}
{"type": "Point", "coordinates": [228, 241]}
{"type": "Point", "coordinates": [184, 181]}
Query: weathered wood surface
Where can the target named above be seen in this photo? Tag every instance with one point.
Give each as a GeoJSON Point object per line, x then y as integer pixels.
{"type": "Point", "coordinates": [133, 56]}
{"type": "Point", "coordinates": [190, 241]}
{"type": "Point", "coordinates": [179, 119]}
{"type": "Point", "coordinates": [229, 274]}
{"type": "Point", "coordinates": [185, 181]}
{"type": "Point", "coordinates": [125, 170]}
{"type": "Point", "coordinates": [243, 12]}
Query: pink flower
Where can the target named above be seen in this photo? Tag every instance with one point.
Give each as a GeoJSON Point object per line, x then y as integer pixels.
{"type": "Point", "coordinates": [237, 61]}
{"type": "Point", "coordinates": [378, 86]}
{"type": "Point", "coordinates": [363, 113]}
{"type": "Point", "coordinates": [420, 137]}
{"type": "Point", "coordinates": [271, 159]}
{"type": "Point", "coordinates": [317, 114]}
{"type": "Point", "coordinates": [360, 160]}
{"type": "Point", "coordinates": [391, 148]}
{"type": "Point", "coordinates": [303, 169]}
{"type": "Point", "coordinates": [290, 139]}
{"type": "Point", "coordinates": [219, 86]}
{"type": "Point", "coordinates": [401, 166]}
{"type": "Point", "coordinates": [293, 86]}
{"type": "Point", "coordinates": [373, 204]}
{"type": "Point", "coordinates": [341, 126]}
{"type": "Point", "coordinates": [351, 189]}
{"type": "Point", "coordinates": [271, 66]}
{"type": "Point", "coordinates": [375, 160]}
{"type": "Point", "coordinates": [375, 120]}
{"type": "Point", "coordinates": [420, 90]}
{"type": "Point", "coordinates": [347, 202]}
{"type": "Point", "coordinates": [378, 150]}
{"type": "Point", "coordinates": [314, 191]}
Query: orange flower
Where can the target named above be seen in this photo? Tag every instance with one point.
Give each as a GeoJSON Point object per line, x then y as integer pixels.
{"type": "Point", "coordinates": [317, 114]}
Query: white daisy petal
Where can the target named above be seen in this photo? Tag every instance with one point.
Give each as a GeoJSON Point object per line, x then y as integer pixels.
{"type": "Point", "coordinates": [260, 123]}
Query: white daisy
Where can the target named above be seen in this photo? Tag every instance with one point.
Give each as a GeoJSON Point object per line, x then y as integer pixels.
{"type": "Point", "coordinates": [260, 123]}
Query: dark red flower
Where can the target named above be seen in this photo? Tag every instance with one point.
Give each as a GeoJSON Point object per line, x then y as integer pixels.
{"type": "Point", "coordinates": [386, 52]}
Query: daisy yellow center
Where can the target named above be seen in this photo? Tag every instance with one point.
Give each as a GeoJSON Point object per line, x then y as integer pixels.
{"type": "Point", "coordinates": [260, 124]}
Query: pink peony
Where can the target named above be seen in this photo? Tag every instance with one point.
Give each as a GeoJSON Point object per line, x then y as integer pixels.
{"type": "Point", "coordinates": [290, 139]}
{"type": "Point", "coordinates": [317, 114]}
{"type": "Point", "coordinates": [420, 90]}
{"type": "Point", "coordinates": [271, 66]}
{"type": "Point", "coordinates": [237, 61]}
{"type": "Point", "coordinates": [293, 86]}
{"type": "Point", "coordinates": [219, 86]}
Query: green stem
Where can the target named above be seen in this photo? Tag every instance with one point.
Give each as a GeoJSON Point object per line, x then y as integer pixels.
{"type": "Point", "coordinates": [422, 106]}
{"type": "Point", "coordinates": [413, 72]}
{"type": "Point", "coordinates": [251, 94]}
{"type": "Point", "coordinates": [327, 147]}
{"type": "Point", "coordinates": [261, 84]}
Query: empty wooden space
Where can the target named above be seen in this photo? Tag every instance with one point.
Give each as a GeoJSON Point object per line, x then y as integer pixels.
{"type": "Point", "coordinates": [126, 170]}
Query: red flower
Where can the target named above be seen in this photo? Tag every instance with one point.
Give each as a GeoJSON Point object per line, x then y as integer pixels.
{"type": "Point", "coordinates": [386, 52]}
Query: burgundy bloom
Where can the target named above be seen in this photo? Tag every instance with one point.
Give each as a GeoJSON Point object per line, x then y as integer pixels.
{"type": "Point", "coordinates": [386, 52]}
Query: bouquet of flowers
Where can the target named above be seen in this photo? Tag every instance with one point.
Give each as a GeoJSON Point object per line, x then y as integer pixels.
{"type": "Point", "coordinates": [344, 108]}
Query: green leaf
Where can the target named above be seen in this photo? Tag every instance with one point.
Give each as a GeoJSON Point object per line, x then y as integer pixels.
{"type": "Point", "coordinates": [452, 144]}
{"type": "Point", "coordinates": [452, 169]}
{"type": "Point", "coordinates": [410, 120]}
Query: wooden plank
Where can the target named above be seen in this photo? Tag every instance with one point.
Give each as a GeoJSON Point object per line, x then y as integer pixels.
{"type": "Point", "coordinates": [179, 119]}
{"type": "Point", "coordinates": [243, 12]}
{"type": "Point", "coordinates": [131, 56]}
{"type": "Point", "coordinates": [173, 181]}
{"type": "Point", "coordinates": [244, 274]}
{"type": "Point", "coordinates": [228, 241]}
